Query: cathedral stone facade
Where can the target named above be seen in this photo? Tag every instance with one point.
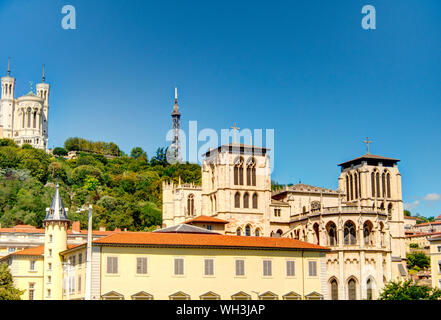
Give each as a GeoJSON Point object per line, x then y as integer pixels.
{"type": "Point", "coordinates": [362, 222]}
{"type": "Point", "coordinates": [24, 119]}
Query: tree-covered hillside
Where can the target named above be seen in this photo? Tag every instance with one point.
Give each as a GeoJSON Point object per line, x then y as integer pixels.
{"type": "Point", "coordinates": [125, 191]}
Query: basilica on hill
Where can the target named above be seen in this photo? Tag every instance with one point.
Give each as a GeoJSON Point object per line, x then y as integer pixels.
{"type": "Point", "coordinates": [24, 119]}
{"type": "Point", "coordinates": [362, 221]}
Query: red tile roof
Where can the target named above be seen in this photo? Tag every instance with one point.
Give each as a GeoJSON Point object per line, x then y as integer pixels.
{"type": "Point", "coordinates": [206, 219]}
{"type": "Point", "coordinates": [421, 234]}
{"type": "Point", "coordinates": [205, 240]}
{"type": "Point", "coordinates": [35, 251]}
{"type": "Point", "coordinates": [427, 223]}
{"type": "Point", "coordinates": [413, 218]}
{"type": "Point", "coordinates": [31, 229]}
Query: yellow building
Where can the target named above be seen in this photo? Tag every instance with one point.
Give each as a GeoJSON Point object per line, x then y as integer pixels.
{"type": "Point", "coordinates": [179, 262]}
{"type": "Point", "coordinates": [435, 257]}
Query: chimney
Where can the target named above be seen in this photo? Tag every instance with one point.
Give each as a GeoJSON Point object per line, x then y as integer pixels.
{"type": "Point", "coordinates": [102, 228]}
{"type": "Point", "coordinates": [76, 227]}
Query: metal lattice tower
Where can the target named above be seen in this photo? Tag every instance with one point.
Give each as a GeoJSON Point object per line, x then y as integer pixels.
{"type": "Point", "coordinates": [176, 121]}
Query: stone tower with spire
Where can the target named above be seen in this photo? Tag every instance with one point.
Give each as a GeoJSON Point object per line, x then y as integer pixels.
{"type": "Point", "coordinates": [25, 119]}
{"type": "Point", "coordinates": [56, 224]}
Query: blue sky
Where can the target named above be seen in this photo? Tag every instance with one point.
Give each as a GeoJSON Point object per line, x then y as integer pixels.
{"type": "Point", "coordinates": [306, 69]}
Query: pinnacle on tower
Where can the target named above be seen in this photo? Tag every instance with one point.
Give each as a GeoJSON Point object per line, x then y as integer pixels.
{"type": "Point", "coordinates": [43, 78]}
{"type": "Point", "coordinates": [56, 212]}
{"type": "Point", "coordinates": [9, 67]}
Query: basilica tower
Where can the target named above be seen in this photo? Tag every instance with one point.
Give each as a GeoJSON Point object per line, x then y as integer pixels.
{"type": "Point", "coordinates": [56, 224]}
{"type": "Point", "coordinates": [7, 104]}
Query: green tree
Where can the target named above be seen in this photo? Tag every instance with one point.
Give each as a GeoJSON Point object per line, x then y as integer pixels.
{"type": "Point", "coordinates": [137, 152]}
{"type": "Point", "coordinates": [91, 183]}
{"type": "Point", "coordinates": [418, 259]}
{"type": "Point", "coordinates": [7, 143]}
{"type": "Point", "coordinates": [60, 152]}
{"type": "Point", "coordinates": [7, 289]}
{"type": "Point", "coordinates": [406, 290]}
{"type": "Point", "coordinates": [407, 213]}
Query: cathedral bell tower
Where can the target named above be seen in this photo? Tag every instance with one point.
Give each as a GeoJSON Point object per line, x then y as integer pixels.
{"type": "Point", "coordinates": [372, 183]}
{"type": "Point", "coordinates": [43, 93]}
{"type": "Point", "coordinates": [56, 225]}
{"type": "Point", "coordinates": [8, 84]}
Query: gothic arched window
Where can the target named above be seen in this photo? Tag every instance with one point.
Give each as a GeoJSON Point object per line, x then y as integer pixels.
{"type": "Point", "coordinates": [369, 291]}
{"type": "Point", "coordinates": [350, 235]}
{"type": "Point", "coordinates": [377, 179]}
{"type": "Point", "coordinates": [248, 230]}
{"type": "Point", "coordinates": [347, 188]}
{"type": "Point", "coordinates": [237, 200]}
{"type": "Point", "coordinates": [332, 234]}
{"type": "Point", "coordinates": [317, 233]}
{"type": "Point", "coordinates": [246, 200]}
{"type": "Point", "coordinates": [238, 171]}
{"type": "Point", "coordinates": [383, 184]}
{"type": "Point", "coordinates": [351, 188]}
{"type": "Point", "coordinates": [367, 233]}
{"type": "Point", "coordinates": [251, 172]}
{"type": "Point", "coordinates": [356, 186]}
{"type": "Point", "coordinates": [238, 232]}
{"type": "Point", "coordinates": [334, 290]}
{"type": "Point", "coordinates": [352, 294]}
{"type": "Point", "coordinates": [255, 201]}
{"type": "Point", "coordinates": [190, 204]}
{"type": "Point", "coordinates": [257, 233]}
{"type": "Point", "coordinates": [373, 183]}
{"type": "Point", "coordinates": [388, 184]}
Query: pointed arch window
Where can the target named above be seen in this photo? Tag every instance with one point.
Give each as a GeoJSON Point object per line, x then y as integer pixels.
{"type": "Point", "coordinates": [369, 291]}
{"type": "Point", "coordinates": [246, 200]}
{"type": "Point", "coordinates": [248, 230]}
{"type": "Point", "coordinates": [388, 184]}
{"type": "Point", "coordinates": [356, 185]}
{"type": "Point", "coordinates": [255, 201]}
{"type": "Point", "coordinates": [367, 233]}
{"type": "Point", "coordinates": [352, 295]}
{"type": "Point", "coordinates": [332, 234]}
{"type": "Point", "coordinates": [238, 232]}
{"type": "Point", "coordinates": [347, 188]}
{"type": "Point", "coordinates": [334, 290]}
{"type": "Point", "coordinates": [237, 200]}
{"type": "Point", "coordinates": [316, 233]}
{"type": "Point", "coordinates": [238, 171]}
{"type": "Point", "coordinates": [373, 183]}
{"type": "Point", "coordinates": [257, 233]}
{"type": "Point", "coordinates": [351, 190]}
{"type": "Point", "coordinates": [251, 172]}
{"type": "Point", "coordinates": [190, 205]}
{"type": "Point", "coordinates": [377, 180]}
{"type": "Point", "coordinates": [350, 235]}
{"type": "Point", "coordinates": [383, 185]}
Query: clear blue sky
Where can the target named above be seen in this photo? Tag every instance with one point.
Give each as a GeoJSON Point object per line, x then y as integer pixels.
{"type": "Point", "coordinates": [303, 68]}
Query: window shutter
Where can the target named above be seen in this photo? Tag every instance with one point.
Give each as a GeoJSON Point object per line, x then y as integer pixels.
{"type": "Point", "coordinates": [141, 265]}
{"type": "Point", "coordinates": [312, 268]}
{"type": "Point", "coordinates": [290, 268]}
{"type": "Point", "coordinates": [179, 266]}
{"type": "Point", "coordinates": [209, 267]}
{"type": "Point", "coordinates": [240, 267]}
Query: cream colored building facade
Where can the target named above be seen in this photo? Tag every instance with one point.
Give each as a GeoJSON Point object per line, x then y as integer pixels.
{"type": "Point", "coordinates": [24, 119]}
{"type": "Point", "coordinates": [182, 262]}
{"type": "Point", "coordinates": [435, 259]}
{"type": "Point", "coordinates": [362, 221]}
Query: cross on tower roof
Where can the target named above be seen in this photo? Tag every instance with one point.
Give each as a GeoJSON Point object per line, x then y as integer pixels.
{"type": "Point", "coordinates": [367, 141]}
{"type": "Point", "coordinates": [235, 128]}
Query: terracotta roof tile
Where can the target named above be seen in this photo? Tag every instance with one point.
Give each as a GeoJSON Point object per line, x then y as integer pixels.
{"type": "Point", "coordinates": [203, 218]}
{"type": "Point", "coordinates": [210, 240]}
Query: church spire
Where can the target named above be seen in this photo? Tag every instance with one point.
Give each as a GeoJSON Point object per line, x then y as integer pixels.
{"type": "Point", "coordinates": [43, 77]}
{"type": "Point", "coordinates": [9, 66]}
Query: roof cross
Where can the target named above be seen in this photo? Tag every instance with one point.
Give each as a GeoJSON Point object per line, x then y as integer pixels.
{"type": "Point", "coordinates": [235, 128]}
{"type": "Point", "coordinates": [367, 141]}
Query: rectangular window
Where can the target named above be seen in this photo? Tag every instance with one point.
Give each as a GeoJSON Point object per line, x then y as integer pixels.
{"type": "Point", "coordinates": [112, 265]}
{"type": "Point", "coordinates": [80, 258]}
{"type": "Point", "coordinates": [49, 266]}
{"type": "Point", "coordinates": [290, 269]}
{"type": "Point", "coordinates": [49, 279]}
{"type": "Point", "coordinates": [312, 268]}
{"type": "Point", "coordinates": [141, 265]}
{"type": "Point", "coordinates": [31, 290]}
{"type": "Point", "coordinates": [209, 267]}
{"type": "Point", "coordinates": [48, 293]}
{"type": "Point", "coordinates": [209, 227]}
{"type": "Point", "coordinates": [240, 267]}
{"type": "Point", "coordinates": [439, 266]}
{"type": "Point", "coordinates": [267, 268]}
{"type": "Point", "coordinates": [32, 265]}
{"type": "Point", "coordinates": [179, 266]}
{"type": "Point", "coordinates": [50, 253]}
{"type": "Point", "coordinates": [439, 248]}
{"type": "Point", "coordinates": [79, 284]}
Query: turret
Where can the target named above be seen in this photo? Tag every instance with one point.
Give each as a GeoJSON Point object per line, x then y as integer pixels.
{"type": "Point", "coordinates": [43, 90]}
{"type": "Point", "coordinates": [8, 84]}
{"type": "Point", "coordinates": [56, 224]}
